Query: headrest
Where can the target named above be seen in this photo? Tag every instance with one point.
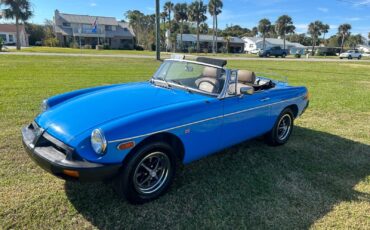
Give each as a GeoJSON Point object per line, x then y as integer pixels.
{"type": "Point", "coordinates": [246, 76]}
{"type": "Point", "coordinates": [210, 72]}
{"type": "Point", "coordinates": [217, 62]}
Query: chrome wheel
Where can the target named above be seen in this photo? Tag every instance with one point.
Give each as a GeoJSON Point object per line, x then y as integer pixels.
{"type": "Point", "coordinates": [284, 127]}
{"type": "Point", "coordinates": [151, 173]}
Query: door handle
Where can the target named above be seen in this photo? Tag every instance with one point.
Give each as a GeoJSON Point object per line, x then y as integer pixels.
{"type": "Point", "coordinates": [265, 99]}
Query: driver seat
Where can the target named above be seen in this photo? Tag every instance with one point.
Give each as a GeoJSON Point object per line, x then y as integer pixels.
{"type": "Point", "coordinates": [208, 82]}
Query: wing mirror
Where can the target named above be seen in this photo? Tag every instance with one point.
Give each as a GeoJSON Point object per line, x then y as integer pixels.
{"type": "Point", "coordinates": [247, 90]}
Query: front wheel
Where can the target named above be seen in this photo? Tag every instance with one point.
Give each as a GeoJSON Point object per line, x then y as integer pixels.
{"type": "Point", "coordinates": [359, 57]}
{"type": "Point", "coordinates": [148, 173]}
{"type": "Point", "coordinates": [282, 130]}
{"type": "Point", "coordinates": [349, 57]}
{"type": "Point", "coordinates": [284, 55]}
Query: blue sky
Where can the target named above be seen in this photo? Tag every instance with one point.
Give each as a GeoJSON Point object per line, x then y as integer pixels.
{"type": "Point", "coordinates": [246, 13]}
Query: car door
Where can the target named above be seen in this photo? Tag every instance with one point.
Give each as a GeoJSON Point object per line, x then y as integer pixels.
{"type": "Point", "coordinates": [245, 117]}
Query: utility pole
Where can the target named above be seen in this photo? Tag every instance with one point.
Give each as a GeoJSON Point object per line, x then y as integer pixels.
{"type": "Point", "coordinates": [158, 31]}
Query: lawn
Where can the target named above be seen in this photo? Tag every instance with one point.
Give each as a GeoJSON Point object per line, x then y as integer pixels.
{"type": "Point", "coordinates": [320, 179]}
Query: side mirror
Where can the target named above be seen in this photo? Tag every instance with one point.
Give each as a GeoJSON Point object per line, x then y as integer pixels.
{"type": "Point", "coordinates": [248, 90]}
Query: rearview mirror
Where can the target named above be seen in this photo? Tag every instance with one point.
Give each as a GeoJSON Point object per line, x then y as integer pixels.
{"type": "Point", "coordinates": [247, 90]}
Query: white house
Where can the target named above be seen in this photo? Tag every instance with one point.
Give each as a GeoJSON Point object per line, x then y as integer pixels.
{"type": "Point", "coordinates": [8, 34]}
{"type": "Point", "coordinates": [364, 48]}
{"type": "Point", "coordinates": [253, 43]}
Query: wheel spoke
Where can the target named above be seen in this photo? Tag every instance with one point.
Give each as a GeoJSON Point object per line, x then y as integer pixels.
{"type": "Point", "coordinates": [145, 180]}
{"type": "Point", "coordinates": [146, 167]}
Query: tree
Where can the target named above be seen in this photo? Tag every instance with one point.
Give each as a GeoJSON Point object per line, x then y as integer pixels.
{"type": "Point", "coordinates": [143, 26]}
{"type": "Point", "coordinates": [36, 32]}
{"type": "Point", "coordinates": [197, 14]}
{"type": "Point", "coordinates": [164, 16]}
{"type": "Point", "coordinates": [20, 10]}
{"type": "Point", "coordinates": [284, 25]}
{"type": "Point", "coordinates": [254, 31]}
{"type": "Point", "coordinates": [168, 8]}
{"type": "Point", "coordinates": [236, 31]}
{"type": "Point", "coordinates": [215, 8]}
{"type": "Point", "coordinates": [314, 29]}
{"type": "Point", "coordinates": [181, 16]}
{"type": "Point", "coordinates": [354, 40]}
{"type": "Point", "coordinates": [324, 30]}
{"type": "Point", "coordinates": [264, 26]}
{"type": "Point", "coordinates": [344, 32]}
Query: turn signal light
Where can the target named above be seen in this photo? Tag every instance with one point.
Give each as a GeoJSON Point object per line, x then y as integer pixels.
{"type": "Point", "coordinates": [126, 145]}
{"type": "Point", "coordinates": [307, 96]}
{"type": "Point", "coordinates": [71, 173]}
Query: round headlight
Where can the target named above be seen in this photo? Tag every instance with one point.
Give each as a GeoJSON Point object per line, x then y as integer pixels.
{"type": "Point", "coordinates": [44, 106]}
{"type": "Point", "coordinates": [98, 142]}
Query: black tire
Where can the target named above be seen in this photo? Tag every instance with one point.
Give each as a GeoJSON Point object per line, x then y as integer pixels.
{"type": "Point", "coordinates": [275, 137]}
{"type": "Point", "coordinates": [284, 55]}
{"type": "Point", "coordinates": [268, 55]}
{"type": "Point", "coordinates": [128, 182]}
{"type": "Point", "coordinates": [349, 57]}
{"type": "Point", "coordinates": [359, 57]}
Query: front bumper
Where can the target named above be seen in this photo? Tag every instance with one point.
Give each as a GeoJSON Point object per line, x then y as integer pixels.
{"type": "Point", "coordinates": [61, 164]}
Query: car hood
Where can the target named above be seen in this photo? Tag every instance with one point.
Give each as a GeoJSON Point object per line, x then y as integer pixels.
{"type": "Point", "coordinates": [67, 120]}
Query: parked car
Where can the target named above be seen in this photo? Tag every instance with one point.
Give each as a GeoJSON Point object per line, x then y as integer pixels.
{"type": "Point", "coordinates": [136, 133]}
{"type": "Point", "coordinates": [274, 51]}
{"type": "Point", "coordinates": [255, 51]}
{"type": "Point", "coordinates": [350, 54]}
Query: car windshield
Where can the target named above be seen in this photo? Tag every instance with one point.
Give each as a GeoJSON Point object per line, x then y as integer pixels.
{"type": "Point", "coordinates": [192, 76]}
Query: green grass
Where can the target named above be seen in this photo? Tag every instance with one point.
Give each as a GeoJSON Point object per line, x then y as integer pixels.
{"type": "Point", "coordinates": [320, 179]}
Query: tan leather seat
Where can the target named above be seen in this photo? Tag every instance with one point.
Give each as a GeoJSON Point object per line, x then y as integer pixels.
{"type": "Point", "coordinates": [246, 77]}
{"type": "Point", "coordinates": [208, 82]}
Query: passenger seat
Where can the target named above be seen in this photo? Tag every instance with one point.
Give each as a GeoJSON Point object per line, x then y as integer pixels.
{"type": "Point", "coordinates": [208, 82]}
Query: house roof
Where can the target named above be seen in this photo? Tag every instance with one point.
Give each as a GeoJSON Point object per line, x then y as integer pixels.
{"type": "Point", "coordinates": [274, 41]}
{"type": "Point", "coordinates": [87, 19]}
{"type": "Point", "coordinates": [10, 28]}
{"type": "Point", "coordinates": [206, 38]}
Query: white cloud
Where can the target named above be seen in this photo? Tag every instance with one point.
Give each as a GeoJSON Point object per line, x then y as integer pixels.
{"type": "Point", "coordinates": [322, 9]}
{"type": "Point", "coordinates": [93, 4]}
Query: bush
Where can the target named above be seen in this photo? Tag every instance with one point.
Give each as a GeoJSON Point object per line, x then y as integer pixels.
{"type": "Point", "coordinates": [87, 47]}
{"type": "Point", "coordinates": [99, 47]}
{"type": "Point", "coordinates": [1, 44]}
{"type": "Point", "coordinates": [191, 50]}
{"type": "Point", "coordinates": [51, 42]}
{"type": "Point", "coordinates": [205, 51]}
{"type": "Point", "coordinates": [297, 55]}
{"type": "Point", "coordinates": [74, 45]}
{"type": "Point", "coordinates": [106, 46]}
{"type": "Point", "coordinates": [139, 48]}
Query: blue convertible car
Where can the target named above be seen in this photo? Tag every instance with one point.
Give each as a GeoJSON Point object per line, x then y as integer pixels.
{"type": "Point", "coordinates": [137, 133]}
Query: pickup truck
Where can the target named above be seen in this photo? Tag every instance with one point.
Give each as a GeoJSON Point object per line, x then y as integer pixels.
{"type": "Point", "coordinates": [274, 51]}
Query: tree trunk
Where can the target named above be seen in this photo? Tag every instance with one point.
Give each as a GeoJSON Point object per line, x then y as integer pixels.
{"type": "Point", "coordinates": [264, 42]}
{"type": "Point", "coordinates": [198, 44]}
{"type": "Point", "coordinates": [313, 46]}
{"type": "Point", "coordinates": [214, 33]}
{"type": "Point", "coordinates": [341, 47]}
{"type": "Point", "coordinates": [181, 33]}
{"type": "Point", "coordinates": [216, 47]}
{"type": "Point", "coordinates": [284, 40]}
{"type": "Point", "coordinates": [17, 34]}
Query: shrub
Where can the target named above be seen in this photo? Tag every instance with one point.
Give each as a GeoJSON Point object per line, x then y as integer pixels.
{"type": "Point", "coordinates": [87, 47]}
{"type": "Point", "coordinates": [140, 48]}
{"type": "Point", "coordinates": [99, 47]}
{"type": "Point", "coordinates": [298, 55]}
{"type": "Point", "coordinates": [205, 51]}
{"type": "Point", "coordinates": [191, 50]}
{"type": "Point", "coordinates": [74, 45]}
{"type": "Point", "coordinates": [1, 43]}
{"type": "Point", "coordinates": [51, 42]}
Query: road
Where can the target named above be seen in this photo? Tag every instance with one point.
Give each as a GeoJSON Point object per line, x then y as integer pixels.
{"type": "Point", "coordinates": [186, 56]}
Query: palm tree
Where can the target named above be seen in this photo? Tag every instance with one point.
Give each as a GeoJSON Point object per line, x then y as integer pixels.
{"type": "Point", "coordinates": [254, 31]}
{"type": "Point", "coordinates": [181, 16]}
{"type": "Point", "coordinates": [325, 29]}
{"type": "Point", "coordinates": [215, 8]}
{"type": "Point", "coordinates": [164, 16]}
{"type": "Point", "coordinates": [314, 29]}
{"type": "Point", "coordinates": [264, 27]}
{"type": "Point", "coordinates": [20, 10]}
{"type": "Point", "coordinates": [344, 31]}
{"type": "Point", "coordinates": [284, 25]}
{"type": "Point", "coordinates": [168, 8]}
{"type": "Point", "coordinates": [197, 13]}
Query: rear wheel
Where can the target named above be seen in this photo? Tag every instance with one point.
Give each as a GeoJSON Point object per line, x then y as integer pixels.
{"type": "Point", "coordinates": [349, 57]}
{"type": "Point", "coordinates": [148, 173]}
{"type": "Point", "coordinates": [359, 57]}
{"type": "Point", "coordinates": [282, 130]}
{"type": "Point", "coordinates": [268, 55]}
{"type": "Point", "coordinates": [284, 55]}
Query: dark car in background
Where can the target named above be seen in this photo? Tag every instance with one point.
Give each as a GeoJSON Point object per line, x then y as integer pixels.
{"type": "Point", "coordinates": [274, 51]}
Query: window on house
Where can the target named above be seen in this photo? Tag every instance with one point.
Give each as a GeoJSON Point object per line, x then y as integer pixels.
{"type": "Point", "coordinates": [66, 24]}
{"type": "Point", "coordinates": [3, 36]}
{"type": "Point", "coordinates": [108, 28]}
{"type": "Point", "coordinates": [251, 46]}
{"type": "Point", "coordinates": [11, 38]}
{"type": "Point", "coordinates": [113, 28]}
{"type": "Point", "coordinates": [125, 29]}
